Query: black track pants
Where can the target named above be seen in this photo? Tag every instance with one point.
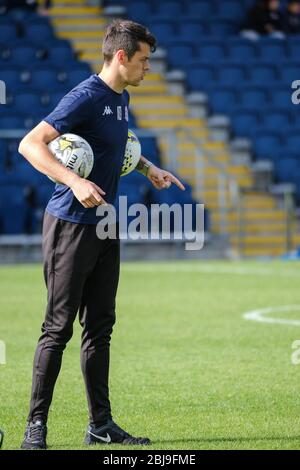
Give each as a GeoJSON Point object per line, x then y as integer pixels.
{"type": "Point", "coordinates": [81, 273]}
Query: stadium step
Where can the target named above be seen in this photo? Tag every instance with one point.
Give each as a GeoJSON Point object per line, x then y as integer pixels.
{"type": "Point", "coordinates": [86, 35]}
{"type": "Point", "coordinates": [76, 24]}
{"type": "Point", "coordinates": [67, 12]}
{"type": "Point", "coordinates": [62, 3]}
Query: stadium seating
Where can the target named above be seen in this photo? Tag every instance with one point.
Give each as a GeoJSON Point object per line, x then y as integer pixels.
{"type": "Point", "coordinates": [249, 81]}
{"type": "Point", "coordinates": [241, 77]}
{"type": "Point", "coordinates": [38, 70]}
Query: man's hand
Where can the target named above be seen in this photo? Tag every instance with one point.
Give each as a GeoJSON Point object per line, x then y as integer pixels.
{"type": "Point", "coordinates": [87, 193]}
{"type": "Point", "coordinates": [162, 179]}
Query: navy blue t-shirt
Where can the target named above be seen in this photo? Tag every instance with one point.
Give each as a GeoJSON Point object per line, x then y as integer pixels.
{"type": "Point", "coordinates": [97, 113]}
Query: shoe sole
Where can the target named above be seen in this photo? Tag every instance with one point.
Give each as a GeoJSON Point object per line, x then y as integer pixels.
{"type": "Point", "coordinates": [93, 443]}
{"type": "Point", "coordinates": [25, 446]}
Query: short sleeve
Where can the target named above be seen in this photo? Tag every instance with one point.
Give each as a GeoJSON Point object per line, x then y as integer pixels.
{"type": "Point", "coordinates": [74, 109]}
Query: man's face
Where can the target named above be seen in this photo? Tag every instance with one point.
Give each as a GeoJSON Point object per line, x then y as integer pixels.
{"type": "Point", "coordinates": [134, 70]}
{"type": "Point", "coordinates": [294, 8]}
{"type": "Point", "coordinates": [273, 5]}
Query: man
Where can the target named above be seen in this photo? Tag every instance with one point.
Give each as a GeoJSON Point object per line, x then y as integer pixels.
{"type": "Point", "coordinates": [265, 17]}
{"type": "Point", "coordinates": [291, 19]}
{"type": "Point", "coordinates": [81, 271]}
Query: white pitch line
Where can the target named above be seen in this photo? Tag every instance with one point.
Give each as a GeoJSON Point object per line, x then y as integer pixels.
{"type": "Point", "coordinates": [258, 315]}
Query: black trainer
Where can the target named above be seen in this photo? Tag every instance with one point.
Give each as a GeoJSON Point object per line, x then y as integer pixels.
{"type": "Point", "coordinates": [35, 436]}
{"type": "Point", "coordinates": [111, 433]}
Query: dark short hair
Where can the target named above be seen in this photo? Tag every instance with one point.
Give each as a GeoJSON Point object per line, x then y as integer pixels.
{"type": "Point", "coordinates": [126, 35]}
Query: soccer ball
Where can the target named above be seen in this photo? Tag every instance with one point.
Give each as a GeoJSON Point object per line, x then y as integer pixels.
{"type": "Point", "coordinates": [74, 153]}
{"type": "Point", "coordinates": [132, 153]}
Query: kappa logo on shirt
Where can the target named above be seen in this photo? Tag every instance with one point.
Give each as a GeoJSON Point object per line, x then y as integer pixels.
{"type": "Point", "coordinates": [107, 111]}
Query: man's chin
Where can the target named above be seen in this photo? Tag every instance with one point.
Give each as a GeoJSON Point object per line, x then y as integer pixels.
{"type": "Point", "coordinates": [136, 83]}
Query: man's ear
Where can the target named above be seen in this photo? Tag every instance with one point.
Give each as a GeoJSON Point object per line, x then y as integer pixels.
{"type": "Point", "coordinates": [121, 56]}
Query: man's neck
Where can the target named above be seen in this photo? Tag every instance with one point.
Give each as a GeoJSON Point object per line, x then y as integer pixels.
{"type": "Point", "coordinates": [114, 82]}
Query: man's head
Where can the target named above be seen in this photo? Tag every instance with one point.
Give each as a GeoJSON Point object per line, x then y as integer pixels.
{"type": "Point", "coordinates": [294, 7]}
{"type": "Point", "coordinates": [126, 47]}
{"type": "Point", "coordinates": [273, 5]}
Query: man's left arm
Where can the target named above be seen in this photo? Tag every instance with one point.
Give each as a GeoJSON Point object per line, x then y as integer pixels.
{"type": "Point", "coordinates": [161, 179]}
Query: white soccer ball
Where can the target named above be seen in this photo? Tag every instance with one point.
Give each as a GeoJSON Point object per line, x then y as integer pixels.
{"type": "Point", "coordinates": [74, 153]}
{"type": "Point", "coordinates": [132, 153]}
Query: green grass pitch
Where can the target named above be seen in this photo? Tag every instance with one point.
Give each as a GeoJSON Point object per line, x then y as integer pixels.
{"type": "Point", "coordinates": [187, 369]}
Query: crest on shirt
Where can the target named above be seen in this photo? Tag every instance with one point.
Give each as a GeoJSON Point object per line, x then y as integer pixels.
{"type": "Point", "coordinates": [107, 111]}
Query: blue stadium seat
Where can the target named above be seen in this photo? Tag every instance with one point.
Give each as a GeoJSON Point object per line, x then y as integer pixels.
{"type": "Point", "coordinates": [190, 30]}
{"type": "Point", "coordinates": [285, 169]}
{"type": "Point", "coordinates": [44, 192]}
{"type": "Point", "coordinates": [175, 196]}
{"type": "Point", "coordinates": [262, 74]}
{"type": "Point", "coordinates": [27, 173]}
{"type": "Point", "coordinates": [13, 218]}
{"type": "Point", "coordinates": [164, 30]}
{"type": "Point", "coordinates": [139, 181]}
{"type": "Point", "coordinates": [213, 51]}
{"type": "Point", "coordinates": [266, 144]}
{"type": "Point", "coordinates": [11, 77]}
{"type": "Point", "coordinates": [135, 194]}
{"type": "Point", "coordinates": [295, 117]}
{"type": "Point", "coordinates": [77, 75]}
{"type": "Point", "coordinates": [276, 120]}
{"type": "Point", "coordinates": [222, 99]}
{"type": "Point", "coordinates": [272, 49]}
{"type": "Point", "coordinates": [131, 121]}
{"type": "Point", "coordinates": [221, 27]}
{"type": "Point", "coordinates": [60, 52]}
{"type": "Point", "coordinates": [3, 152]}
{"type": "Point", "coordinates": [75, 64]}
{"type": "Point", "coordinates": [170, 8]}
{"type": "Point", "coordinates": [289, 72]}
{"type": "Point", "coordinates": [241, 49]}
{"type": "Point", "coordinates": [12, 122]}
{"type": "Point", "coordinates": [230, 10]}
{"type": "Point", "coordinates": [21, 15]}
{"type": "Point", "coordinates": [293, 48]}
{"type": "Point", "coordinates": [178, 54]}
{"type": "Point", "coordinates": [202, 9]}
{"type": "Point", "coordinates": [139, 10]}
{"type": "Point", "coordinates": [199, 77]}
{"type": "Point", "coordinates": [292, 141]}
{"type": "Point", "coordinates": [27, 101]}
{"type": "Point", "coordinates": [253, 97]}
{"type": "Point", "coordinates": [12, 209]}
{"type": "Point", "coordinates": [281, 97]}
{"type": "Point", "coordinates": [44, 77]}
{"type": "Point", "coordinates": [244, 123]}
{"type": "Point", "coordinates": [24, 54]}
{"type": "Point", "coordinates": [232, 74]}
{"type": "Point", "coordinates": [8, 32]}
{"type": "Point", "coordinates": [150, 149]}
{"type": "Point", "coordinates": [295, 179]}
{"type": "Point", "coordinates": [57, 95]}
{"type": "Point", "coordinates": [40, 30]}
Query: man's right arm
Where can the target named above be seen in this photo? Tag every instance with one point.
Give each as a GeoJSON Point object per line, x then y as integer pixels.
{"type": "Point", "coordinates": [34, 147]}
